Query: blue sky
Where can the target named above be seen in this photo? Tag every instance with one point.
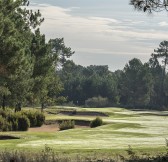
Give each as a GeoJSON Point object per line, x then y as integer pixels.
{"type": "Point", "coordinates": [103, 32]}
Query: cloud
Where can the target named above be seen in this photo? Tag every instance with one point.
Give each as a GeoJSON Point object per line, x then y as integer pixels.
{"type": "Point", "coordinates": [60, 22]}
{"type": "Point", "coordinates": [129, 21]}
{"type": "Point", "coordinates": [105, 20]}
{"type": "Point", "coordinates": [163, 24]}
{"type": "Point", "coordinates": [62, 19]}
{"type": "Point", "coordinates": [139, 34]}
{"type": "Point", "coordinates": [57, 18]}
{"type": "Point", "coordinates": [96, 35]}
{"type": "Point", "coordinates": [96, 51]}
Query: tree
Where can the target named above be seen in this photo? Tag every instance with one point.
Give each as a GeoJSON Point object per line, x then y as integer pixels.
{"type": "Point", "coordinates": [72, 79]}
{"type": "Point", "coordinates": [162, 54]}
{"type": "Point", "coordinates": [43, 70]}
{"type": "Point", "coordinates": [60, 51]}
{"type": "Point", "coordinates": [47, 56]}
{"type": "Point", "coordinates": [165, 85]}
{"type": "Point", "coordinates": [28, 64]}
{"type": "Point", "coordinates": [109, 88]}
{"type": "Point", "coordinates": [150, 5]}
{"type": "Point", "coordinates": [82, 83]}
{"type": "Point", "coordinates": [136, 84]}
{"type": "Point", "coordinates": [15, 41]}
{"type": "Point", "coordinates": [158, 64]}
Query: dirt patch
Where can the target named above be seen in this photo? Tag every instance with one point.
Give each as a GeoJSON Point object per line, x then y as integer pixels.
{"type": "Point", "coordinates": [7, 137]}
{"type": "Point", "coordinates": [45, 128]}
{"type": "Point", "coordinates": [52, 126]}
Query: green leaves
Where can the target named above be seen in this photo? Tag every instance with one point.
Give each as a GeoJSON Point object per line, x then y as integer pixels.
{"type": "Point", "coordinates": [16, 60]}
{"type": "Point", "coordinates": [60, 52]}
{"type": "Point", "coordinates": [4, 91]}
{"type": "Point", "coordinates": [28, 63]}
{"type": "Point", "coordinates": [135, 87]}
{"type": "Point", "coordinates": [150, 5]}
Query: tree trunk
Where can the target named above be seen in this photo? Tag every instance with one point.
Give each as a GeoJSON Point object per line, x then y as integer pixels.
{"type": "Point", "coordinates": [18, 107]}
{"type": "Point", "coordinates": [162, 86]}
{"type": "Point", "coordinates": [42, 107]}
{"type": "Point", "coordinates": [3, 102]}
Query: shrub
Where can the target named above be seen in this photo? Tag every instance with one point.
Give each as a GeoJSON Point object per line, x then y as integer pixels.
{"type": "Point", "coordinates": [10, 121]}
{"type": "Point", "coordinates": [5, 125]}
{"type": "Point", "coordinates": [36, 118]}
{"type": "Point", "coordinates": [96, 122]}
{"type": "Point", "coordinates": [23, 122]}
{"type": "Point", "coordinates": [67, 125]}
{"type": "Point", "coordinates": [97, 102]}
{"type": "Point", "coordinates": [15, 125]}
{"type": "Point", "coordinates": [13, 119]}
{"type": "Point", "coordinates": [5, 113]}
{"type": "Point", "coordinates": [40, 117]}
{"type": "Point", "coordinates": [20, 121]}
{"type": "Point", "coordinates": [32, 117]}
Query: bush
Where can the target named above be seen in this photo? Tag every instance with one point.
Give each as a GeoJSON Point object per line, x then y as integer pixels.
{"type": "Point", "coordinates": [23, 122]}
{"type": "Point", "coordinates": [31, 116]}
{"type": "Point", "coordinates": [40, 117]}
{"type": "Point", "coordinates": [96, 122]}
{"type": "Point", "coordinates": [36, 118]}
{"type": "Point", "coordinates": [15, 125]}
{"type": "Point", "coordinates": [5, 125]}
{"type": "Point", "coordinates": [5, 113]}
{"type": "Point", "coordinates": [20, 121]}
{"type": "Point", "coordinates": [97, 102]}
{"type": "Point", "coordinates": [13, 119]}
{"type": "Point", "coordinates": [67, 125]}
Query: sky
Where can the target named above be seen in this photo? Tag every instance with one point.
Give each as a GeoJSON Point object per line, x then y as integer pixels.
{"type": "Point", "coordinates": [103, 32]}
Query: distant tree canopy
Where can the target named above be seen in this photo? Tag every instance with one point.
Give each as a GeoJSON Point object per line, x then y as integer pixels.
{"type": "Point", "coordinates": [150, 5]}
{"type": "Point", "coordinates": [138, 85]}
{"type": "Point", "coordinates": [81, 83]}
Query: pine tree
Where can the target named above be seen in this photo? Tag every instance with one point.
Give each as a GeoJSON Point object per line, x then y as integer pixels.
{"type": "Point", "coordinates": [16, 62]}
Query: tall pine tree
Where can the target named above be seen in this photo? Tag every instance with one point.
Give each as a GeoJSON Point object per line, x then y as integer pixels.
{"type": "Point", "coordinates": [15, 55]}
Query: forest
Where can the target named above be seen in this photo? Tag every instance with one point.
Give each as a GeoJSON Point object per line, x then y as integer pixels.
{"type": "Point", "coordinates": [138, 85]}
{"type": "Point", "coordinates": [34, 71]}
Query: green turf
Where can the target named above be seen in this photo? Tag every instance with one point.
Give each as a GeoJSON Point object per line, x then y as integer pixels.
{"type": "Point", "coordinates": [142, 130]}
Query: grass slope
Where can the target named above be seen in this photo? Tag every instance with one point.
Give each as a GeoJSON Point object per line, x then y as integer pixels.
{"type": "Point", "coordinates": [141, 129]}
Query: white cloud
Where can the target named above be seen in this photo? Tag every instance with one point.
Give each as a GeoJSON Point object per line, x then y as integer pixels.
{"type": "Point", "coordinates": [132, 21]}
{"type": "Point", "coordinates": [105, 20]}
{"type": "Point", "coordinates": [99, 35]}
{"type": "Point", "coordinates": [60, 19]}
{"type": "Point", "coordinates": [139, 34]}
{"type": "Point", "coordinates": [163, 24]}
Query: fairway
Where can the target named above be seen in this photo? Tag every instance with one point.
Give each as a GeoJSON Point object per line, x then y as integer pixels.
{"type": "Point", "coordinates": [142, 130]}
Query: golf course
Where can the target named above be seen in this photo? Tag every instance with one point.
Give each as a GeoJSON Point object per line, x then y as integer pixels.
{"type": "Point", "coordinates": [144, 131]}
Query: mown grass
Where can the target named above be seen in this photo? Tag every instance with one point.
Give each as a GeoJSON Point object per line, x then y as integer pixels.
{"type": "Point", "coordinates": [143, 132]}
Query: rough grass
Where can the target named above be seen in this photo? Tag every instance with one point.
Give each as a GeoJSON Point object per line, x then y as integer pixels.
{"type": "Point", "coordinates": [49, 155]}
{"type": "Point", "coordinates": [143, 132]}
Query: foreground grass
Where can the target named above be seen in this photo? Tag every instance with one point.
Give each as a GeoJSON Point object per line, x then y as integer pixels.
{"type": "Point", "coordinates": [143, 131]}
{"type": "Point", "coordinates": [49, 155]}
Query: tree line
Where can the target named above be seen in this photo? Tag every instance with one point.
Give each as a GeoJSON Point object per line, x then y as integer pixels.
{"type": "Point", "coordinates": [34, 71]}
{"type": "Point", "coordinates": [138, 85]}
